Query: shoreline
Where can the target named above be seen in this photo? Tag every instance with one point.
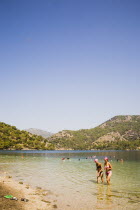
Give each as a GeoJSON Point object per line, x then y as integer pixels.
{"type": "Point", "coordinates": [37, 198]}
{"type": "Point", "coordinates": [62, 149]}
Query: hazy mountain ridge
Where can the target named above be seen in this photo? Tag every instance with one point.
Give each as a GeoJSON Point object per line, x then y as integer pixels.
{"type": "Point", "coordinates": [39, 132]}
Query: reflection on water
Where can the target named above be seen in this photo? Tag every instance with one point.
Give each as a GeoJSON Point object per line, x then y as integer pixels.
{"type": "Point", "coordinates": [72, 182]}
{"type": "Point", "coordinates": [104, 196]}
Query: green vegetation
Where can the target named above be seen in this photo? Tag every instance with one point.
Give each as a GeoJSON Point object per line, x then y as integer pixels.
{"type": "Point", "coordinates": [124, 132]}
{"type": "Point", "coordinates": [12, 138]}
{"type": "Point", "coordinates": [119, 145]}
{"type": "Point", "coordinates": [118, 133]}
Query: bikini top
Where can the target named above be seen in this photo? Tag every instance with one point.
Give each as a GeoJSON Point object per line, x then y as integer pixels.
{"type": "Point", "coordinates": [107, 167]}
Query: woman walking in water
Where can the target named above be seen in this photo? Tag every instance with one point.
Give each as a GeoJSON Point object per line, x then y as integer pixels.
{"type": "Point", "coordinates": [99, 170]}
{"type": "Point", "coordinates": [108, 170]}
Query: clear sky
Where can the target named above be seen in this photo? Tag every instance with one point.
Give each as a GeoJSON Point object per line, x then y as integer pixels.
{"type": "Point", "coordinates": [68, 64]}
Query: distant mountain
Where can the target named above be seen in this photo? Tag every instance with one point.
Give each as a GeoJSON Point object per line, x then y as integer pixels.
{"type": "Point", "coordinates": [120, 132]}
{"type": "Point", "coordinates": [39, 132]}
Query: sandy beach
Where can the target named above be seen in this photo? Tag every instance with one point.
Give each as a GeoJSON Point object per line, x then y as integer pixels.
{"type": "Point", "coordinates": [37, 198]}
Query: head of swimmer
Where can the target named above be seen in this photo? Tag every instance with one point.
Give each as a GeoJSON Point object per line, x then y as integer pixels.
{"type": "Point", "coordinates": [96, 160]}
{"type": "Point", "coordinates": [106, 159]}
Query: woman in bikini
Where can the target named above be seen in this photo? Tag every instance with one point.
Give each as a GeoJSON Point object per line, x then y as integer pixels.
{"type": "Point", "coordinates": [108, 170]}
{"type": "Point", "coordinates": [99, 170]}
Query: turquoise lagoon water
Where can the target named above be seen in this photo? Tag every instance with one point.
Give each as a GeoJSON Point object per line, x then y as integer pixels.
{"type": "Point", "coordinates": [72, 182]}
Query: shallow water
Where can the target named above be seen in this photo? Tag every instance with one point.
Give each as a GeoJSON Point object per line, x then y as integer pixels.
{"type": "Point", "coordinates": [72, 182]}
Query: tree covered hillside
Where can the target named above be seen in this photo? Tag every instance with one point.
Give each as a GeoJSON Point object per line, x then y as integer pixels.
{"type": "Point", "coordinates": [120, 132]}
{"type": "Point", "coordinates": [12, 138]}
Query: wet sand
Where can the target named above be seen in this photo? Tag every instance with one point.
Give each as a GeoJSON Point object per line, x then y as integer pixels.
{"type": "Point", "coordinates": [37, 197]}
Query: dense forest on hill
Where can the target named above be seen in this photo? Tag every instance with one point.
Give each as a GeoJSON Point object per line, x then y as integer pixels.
{"type": "Point", "coordinates": [13, 138]}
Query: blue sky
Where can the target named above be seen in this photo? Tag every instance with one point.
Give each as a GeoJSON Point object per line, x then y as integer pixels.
{"type": "Point", "coordinates": [68, 64]}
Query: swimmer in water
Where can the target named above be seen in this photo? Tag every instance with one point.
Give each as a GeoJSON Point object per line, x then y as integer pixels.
{"type": "Point", "coordinates": [99, 170]}
{"type": "Point", "coordinates": [108, 170]}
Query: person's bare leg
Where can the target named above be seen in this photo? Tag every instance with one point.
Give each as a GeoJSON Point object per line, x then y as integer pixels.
{"type": "Point", "coordinates": [97, 177]}
{"type": "Point", "coordinates": [108, 178]}
{"type": "Point", "coordinates": [102, 178]}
